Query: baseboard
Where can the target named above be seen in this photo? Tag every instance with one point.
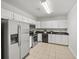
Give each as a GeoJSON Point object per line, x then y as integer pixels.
{"type": "Point", "coordinates": [58, 44]}
{"type": "Point", "coordinates": [71, 50]}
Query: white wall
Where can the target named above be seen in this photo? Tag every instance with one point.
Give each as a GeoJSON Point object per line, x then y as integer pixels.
{"type": "Point", "coordinates": [72, 29]}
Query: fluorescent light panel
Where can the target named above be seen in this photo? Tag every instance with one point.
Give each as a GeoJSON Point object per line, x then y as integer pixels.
{"type": "Point", "coordinates": [44, 4]}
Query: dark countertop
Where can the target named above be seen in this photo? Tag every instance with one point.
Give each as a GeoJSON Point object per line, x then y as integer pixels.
{"type": "Point", "coordinates": [59, 33]}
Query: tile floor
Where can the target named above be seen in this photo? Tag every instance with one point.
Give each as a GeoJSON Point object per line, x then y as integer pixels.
{"type": "Point", "coordinates": [49, 51]}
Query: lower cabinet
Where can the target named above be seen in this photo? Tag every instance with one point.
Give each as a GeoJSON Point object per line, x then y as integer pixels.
{"type": "Point", "coordinates": [58, 39]}
{"type": "Point", "coordinates": [62, 39]}
{"type": "Point", "coordinates": [65, 39]}
{"type": "Point", "coordinates": [55, 38]}
{"type": "Point", "coordinates": [51, 38]}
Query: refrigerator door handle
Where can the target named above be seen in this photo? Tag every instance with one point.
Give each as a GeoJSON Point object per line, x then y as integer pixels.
{"type": "Point", "coordinates": [19, 38]}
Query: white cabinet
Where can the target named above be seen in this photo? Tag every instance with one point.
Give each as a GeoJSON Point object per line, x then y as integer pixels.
{"type": "Point", "coordinates": [45, 25]}
{"type": "Point", "coordinates": [58, 39]}
{"type": "Point", "coordinates": [51, 38]}
{"type": "Point", "coordinates": [37, 24]}
{"type": "Point", "coordinates": [10, 15]}
{"type": "Point", "coordinates": [65, 39]}
{"type": "Point", "coordinates": [6, 14]}
{"type": "Point", "coordinates": [62, 39]}
{"type": "Point", "coordinates": [17, 17]}
{"type": "Point", "coordinates": [62, 24]}
{"type": "Point", "coordinates": [54, 24]}
{"type": "Point", "coordinates": [39, 37]}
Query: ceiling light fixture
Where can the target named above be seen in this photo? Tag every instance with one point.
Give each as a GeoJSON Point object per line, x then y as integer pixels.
{"type": "Point", "coordinates": [45, 5]}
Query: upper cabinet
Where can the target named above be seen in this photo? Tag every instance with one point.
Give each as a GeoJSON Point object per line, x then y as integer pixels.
{"type": "Point", "coordinates": [37, 24]}
{"type": "Point", "coordinates": [29, 20]}
{"type": "Point", "coordinates": [54, 24]}
{"type": "Point", "coordinates": [6, 14]}
{"type": "Point", "coordinates": [10, 15]}
{"type": "Point", "coordinates": [62, 24]}
{"type": "Point", "coordinates": [17, 17]}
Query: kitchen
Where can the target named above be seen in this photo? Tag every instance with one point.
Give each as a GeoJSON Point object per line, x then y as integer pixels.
{"type": "Point", "coordinates": [27, 29]}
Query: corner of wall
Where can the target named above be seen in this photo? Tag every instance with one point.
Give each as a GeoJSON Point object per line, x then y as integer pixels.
{"type": "Point", "coordinates": [71, 50]}
{"type": "Point", "coordinates": [72, 30]}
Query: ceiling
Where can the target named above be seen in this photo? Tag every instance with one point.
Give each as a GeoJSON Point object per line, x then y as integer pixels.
{"type": "Point", "coordinates": [60, 7]}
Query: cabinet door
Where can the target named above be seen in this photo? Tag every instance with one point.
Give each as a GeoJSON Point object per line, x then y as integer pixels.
{"type": "Point", "coordinates": [17, 17]}
{"type": "Point", "coordinates": [62, 39]}
{"type": "Point", "coordinates": [37, 24]}
{"type": "Point", "coordinates": [65, 39]}
{"type": "Point", "coordinates": [49, 38]}
{"type": "Point", "coordinates": [62, 24]}
{"type": "Point", "coordinates": [53, 38]}
{"type": "Point", "coordinates": [58, 39]}
{"type": "Point", "coordinates": [6, 14]}
{"type": "Point", "coordinates": [40, 37]}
